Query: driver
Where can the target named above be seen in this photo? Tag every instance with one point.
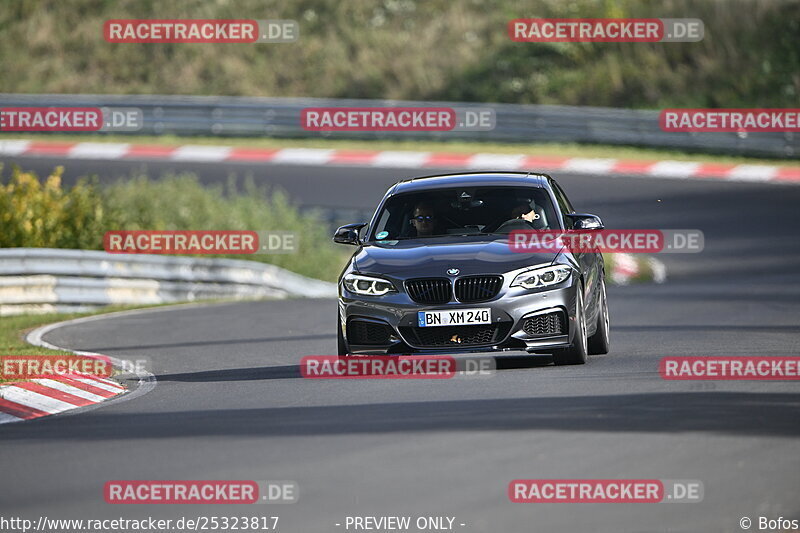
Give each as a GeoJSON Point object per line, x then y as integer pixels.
{"type": "Point", "coordinates": [424, 219]}
{"type": "Point", "coordinates": [525, 212]}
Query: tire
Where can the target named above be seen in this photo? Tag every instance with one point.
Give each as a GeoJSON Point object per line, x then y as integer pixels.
{"type": "Point", "coordinates": [342, 344]}
{"type": "Point", "coordinates": [577, 352]}
{"type": "Point", "coordinates": [600, 342]}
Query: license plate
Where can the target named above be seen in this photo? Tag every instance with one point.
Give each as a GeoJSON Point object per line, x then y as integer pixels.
{"type": "Point", "coordinates": [457, 317]}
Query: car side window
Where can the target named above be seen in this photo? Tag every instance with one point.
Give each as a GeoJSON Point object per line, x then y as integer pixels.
{"type": "Point", "coordinates": [384, 220]}
{"type": "Point", "coordinates": [563, 203]}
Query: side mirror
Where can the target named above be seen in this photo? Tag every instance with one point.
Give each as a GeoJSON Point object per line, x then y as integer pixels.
{"type": "Point", "coordinates": [349, 234]}
{"type": "Point", "coordinates": [585, 221]}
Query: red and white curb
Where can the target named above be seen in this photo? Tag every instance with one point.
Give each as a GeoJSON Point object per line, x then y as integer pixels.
{"type": "Point", "coordinates": [405, 159]}
{"type": "Point", "coordinates": [36, 398]}
{"type": "Point", "coordinates": [24, 400]}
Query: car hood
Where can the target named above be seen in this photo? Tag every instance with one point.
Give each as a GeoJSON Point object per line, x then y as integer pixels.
{"type": "Point", "coordinates": [418, 258]}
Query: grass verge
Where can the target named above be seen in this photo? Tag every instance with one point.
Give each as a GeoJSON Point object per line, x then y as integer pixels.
{"type": "Point", "coordinates": [14, 329]}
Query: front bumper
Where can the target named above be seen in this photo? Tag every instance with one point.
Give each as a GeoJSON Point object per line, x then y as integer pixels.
{"type": "Point", "coordinates": [521, 320]}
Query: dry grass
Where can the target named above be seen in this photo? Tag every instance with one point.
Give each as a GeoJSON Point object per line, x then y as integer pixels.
{"type": "Point", "coordinates": [413, 49]}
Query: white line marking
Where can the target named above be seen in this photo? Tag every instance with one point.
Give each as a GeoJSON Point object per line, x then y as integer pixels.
{"type": "Point", "coordinates": [502, 161]}
{"type": "Point", "coordinates": [100, 384]}
{"type": "Point", "coordinates": [13, 147]}
{"type": "Point", "coordinates": [69, 389]}
{"type": "Point", "coordinates": [753, 173]}
{"type": "Point", "coordinates": [35, 400]}
{"type": "Point", "coordinates": [303, 156]}
{"type": "Point", "coordinates": [191, 152]}
{"type": "Point", "coordinates": [109, 382]}
{"type": "Point", "coordinates": [98, 150]}
{"type": "Point", "coordinates": [673, 169]}
{"type": "Point", "coordinates": [400, 159]}
{"type": "Point", "coordinates": [589, 166]}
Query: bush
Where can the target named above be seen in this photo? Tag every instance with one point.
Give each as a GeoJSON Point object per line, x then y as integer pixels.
{"type": "Point", "coordinates": [45, 215]}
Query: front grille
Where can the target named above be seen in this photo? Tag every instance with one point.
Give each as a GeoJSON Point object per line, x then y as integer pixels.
{"type": "Point", "coordinates": [364, 332]}
{"type": "Point", "coordinates": [478, 288]}
{"type": "Point", "coordinates": [429, 290]}
{"type": "Point", "coordinates": [545, 325]}
{"type": "Point", "coordinates": [455, 336]}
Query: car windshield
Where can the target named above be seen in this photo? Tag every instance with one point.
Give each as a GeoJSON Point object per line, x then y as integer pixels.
{"type": "Point", "coordinates": [464, 211]}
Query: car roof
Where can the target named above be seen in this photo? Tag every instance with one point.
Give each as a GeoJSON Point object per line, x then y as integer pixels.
{"type": "Point", "coordinates": [471, 179]}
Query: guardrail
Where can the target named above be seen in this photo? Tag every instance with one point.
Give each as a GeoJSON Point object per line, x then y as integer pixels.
{"type": "Point", "coordinates": [49, 279]}
{"type": "Point", "coordinates": [280, 117]}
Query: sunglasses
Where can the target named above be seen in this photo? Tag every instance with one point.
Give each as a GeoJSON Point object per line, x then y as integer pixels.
{"type": "Point", "coordinates": [423, 218]}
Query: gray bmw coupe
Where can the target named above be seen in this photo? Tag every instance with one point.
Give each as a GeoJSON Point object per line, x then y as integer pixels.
{"type": "Point", "coordinates": [434, 272]}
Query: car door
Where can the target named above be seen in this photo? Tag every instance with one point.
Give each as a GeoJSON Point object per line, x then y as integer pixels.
{"type": "Point", "coordinates": [590, 262]}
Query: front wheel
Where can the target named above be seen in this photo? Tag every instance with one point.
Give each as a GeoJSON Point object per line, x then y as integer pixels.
{"type": "Point", "coordinates": [577, 352]}
{"type": "Point", "coordinates": [600, 342]}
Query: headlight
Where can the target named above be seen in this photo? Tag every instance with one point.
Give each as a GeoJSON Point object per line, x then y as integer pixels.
{"type": "Point", "coordinates": [367, 285]}
{"type": "Point", "coordinates": [542, 277]}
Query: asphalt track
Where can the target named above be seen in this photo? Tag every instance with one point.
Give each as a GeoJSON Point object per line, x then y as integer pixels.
{"type": "Point", "coordinates": [230, 404]}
